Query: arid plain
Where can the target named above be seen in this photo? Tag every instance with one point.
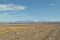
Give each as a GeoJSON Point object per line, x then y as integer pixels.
{"type": "Point", "coordinates": [30, 32]}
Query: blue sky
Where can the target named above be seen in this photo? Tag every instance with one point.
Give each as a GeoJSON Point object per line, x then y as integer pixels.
{"type": "Point", "coordinates": [36, 10]}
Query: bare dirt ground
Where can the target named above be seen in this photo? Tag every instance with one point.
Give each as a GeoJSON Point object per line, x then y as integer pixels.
{"type": "Point", "coordinates": [30, 32]}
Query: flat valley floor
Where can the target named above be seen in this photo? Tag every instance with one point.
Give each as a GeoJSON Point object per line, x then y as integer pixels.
{"type": "Point", "coordinates": [30, 32]}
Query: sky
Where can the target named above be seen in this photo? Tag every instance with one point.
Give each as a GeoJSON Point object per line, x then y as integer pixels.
{"type": "Point", "coordinates": [35, 10]}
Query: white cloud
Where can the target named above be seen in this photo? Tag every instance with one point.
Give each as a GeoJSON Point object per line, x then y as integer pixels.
{"type": "Point", "coordinates": [52, 4]}
{"type": "Point", "coordinates": [10, 15]}
{"type": "Point", "coordinates": [6, 7]}
{"type": "Point", "coordinates": [7, 17]}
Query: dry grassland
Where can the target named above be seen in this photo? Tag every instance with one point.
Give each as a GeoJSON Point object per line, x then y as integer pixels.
{"type": "Point", "coordinates": [29, 32]}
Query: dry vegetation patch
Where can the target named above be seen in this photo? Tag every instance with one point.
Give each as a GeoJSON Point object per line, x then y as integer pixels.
{"type": "Point", "coordinates": [27, 32]}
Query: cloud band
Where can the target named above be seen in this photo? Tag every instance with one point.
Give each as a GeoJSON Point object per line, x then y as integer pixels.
{"type": "Point", "coordinates": [6, 7]}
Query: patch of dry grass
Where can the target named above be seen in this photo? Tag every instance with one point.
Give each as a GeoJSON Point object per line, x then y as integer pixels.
{"type": "Point", "coordinates": [28, 32]}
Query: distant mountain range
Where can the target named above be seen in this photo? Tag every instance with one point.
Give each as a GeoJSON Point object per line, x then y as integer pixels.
{"type": "Point", "coordinates": [28, 22]}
